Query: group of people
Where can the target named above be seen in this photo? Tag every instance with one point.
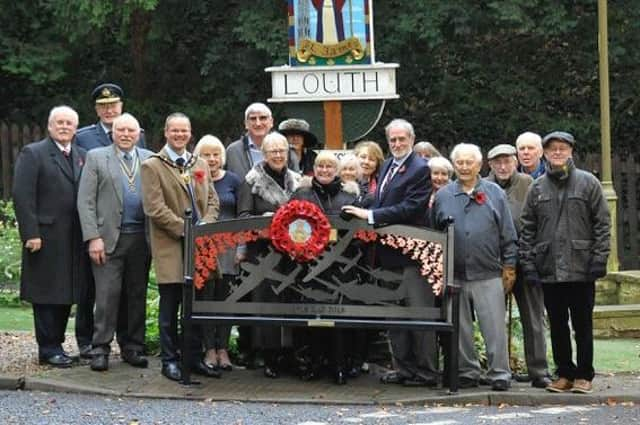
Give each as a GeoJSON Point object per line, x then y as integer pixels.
{"type": "Point", "coordinates": [94, 207]}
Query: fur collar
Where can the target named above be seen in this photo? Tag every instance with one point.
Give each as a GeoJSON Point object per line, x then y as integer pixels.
{"type": "Point", "coordinates": [265, 187]}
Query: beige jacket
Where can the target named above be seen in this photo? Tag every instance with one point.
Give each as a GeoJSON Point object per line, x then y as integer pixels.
{"type": "Point", "coordinates": [165, 198]}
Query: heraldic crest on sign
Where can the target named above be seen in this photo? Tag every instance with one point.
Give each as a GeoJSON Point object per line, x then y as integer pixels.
{"type": "Point", "coordinates": [330, 32]}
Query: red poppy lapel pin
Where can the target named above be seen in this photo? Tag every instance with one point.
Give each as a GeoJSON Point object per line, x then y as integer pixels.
{"type": "Point", "coordinates": [479, 197]}
{"type": "Point", "coordinates": [198, 176]}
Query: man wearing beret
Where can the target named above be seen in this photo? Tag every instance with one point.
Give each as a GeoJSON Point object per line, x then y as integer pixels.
{"type": "Point", "coordinates": [503, 164]}
{"type": "Point", "coordinates": [108, 100]}
{"type": "Point", "coordinates": [108, 104]}
{"type": "Point", "coordinates": [564, 246]}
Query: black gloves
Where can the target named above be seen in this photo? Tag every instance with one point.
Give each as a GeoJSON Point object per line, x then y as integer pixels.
{"type": "Point", "coordinates": [597, 270]}
{"type": "Point", "coordinates": [531, 277]}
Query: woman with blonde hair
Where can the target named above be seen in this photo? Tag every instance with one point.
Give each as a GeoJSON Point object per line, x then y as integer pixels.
{"type": "Point", "coordinates": [226, 184]}
{"type": "Point", "coordinates": [349, 168]}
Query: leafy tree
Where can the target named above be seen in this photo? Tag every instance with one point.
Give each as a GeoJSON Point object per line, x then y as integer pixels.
{"type": "Point", "coordinates": [479, 71]}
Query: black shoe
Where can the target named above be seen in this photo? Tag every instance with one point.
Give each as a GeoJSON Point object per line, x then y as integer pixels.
{"type": "Point", "coordinates": [57, 360]}
{"type": "Point", "coordinates": [172, 371]}
{"type": "Point", "coordinates": [353, 372]}
{"type": "Point", "coordinates": [541, 382]}
{"type": "Point", "coordinates": [202, 369]}
{"type": "Point", "coordinates": [271, 372]}
{"type": "Point", "coordinates": [84, 352]}
{"type": "Point", "coordinates": [340, 378]}
{"type": "Point", "coordinates": [485, 381]}
{"type": "Point", "coordinates": [100, 362]}
{"type": "Point", "coordinates": [421, 381]}
{"type": "Point", "coordinates": [135, 358]}
{"type": "Point", "coordinates": [393, 378]}
{"type": "Point", "coordinates": [310, 375]}
{"type": "Point", "coordinates": [521, 377]}
{"type": "Point", "coordinates": [464, 383]}
{"type": "Point", "coordinates": [500, 385]}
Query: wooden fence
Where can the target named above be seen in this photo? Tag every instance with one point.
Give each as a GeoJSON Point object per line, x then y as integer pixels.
{"type": "Point", "coordinates": [626, 176]}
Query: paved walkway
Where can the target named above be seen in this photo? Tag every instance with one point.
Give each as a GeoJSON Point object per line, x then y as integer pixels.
{"type": "Point", "coordinates": [250, 385]}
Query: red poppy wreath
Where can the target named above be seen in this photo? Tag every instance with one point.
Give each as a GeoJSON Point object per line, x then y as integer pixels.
{"type": "Point", "coordinates": [300, 229]}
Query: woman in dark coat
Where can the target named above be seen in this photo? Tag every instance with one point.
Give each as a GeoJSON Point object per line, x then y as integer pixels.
{"type": "Point", "coordinates": [327, 191]}
{"type": "Point", "coordinates": [267, 186]}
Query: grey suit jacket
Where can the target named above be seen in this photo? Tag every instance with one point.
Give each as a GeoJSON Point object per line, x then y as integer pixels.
{"type": "Point", "coordinates": [100, 195]}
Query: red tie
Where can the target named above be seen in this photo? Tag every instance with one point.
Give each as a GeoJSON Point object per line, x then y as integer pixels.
{"type": "Point", "coordinates": [388, 177]}
{"type": "Point", "coordinates": [66, 152]}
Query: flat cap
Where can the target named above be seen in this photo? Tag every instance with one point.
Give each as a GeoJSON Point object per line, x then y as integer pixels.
{"type": "Point", "coordinates": [563, 136]}
{"type": "Point", "coordinates": [298, 126]}
{"type": "Point", "coordinates": [107, 93]}
{"type": "Point", "coordinates": [503, 149]}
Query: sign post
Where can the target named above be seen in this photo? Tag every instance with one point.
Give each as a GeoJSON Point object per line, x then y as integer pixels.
{"type": "Point", "coordinates": [332, 64]}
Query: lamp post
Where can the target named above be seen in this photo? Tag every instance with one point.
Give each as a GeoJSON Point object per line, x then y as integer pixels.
{"type": "Point", "coordinates": [605, 131]}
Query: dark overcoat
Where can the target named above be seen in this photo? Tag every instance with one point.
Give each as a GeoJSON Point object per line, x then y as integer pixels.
{"type": "Point", "coordinates": [45, 188]}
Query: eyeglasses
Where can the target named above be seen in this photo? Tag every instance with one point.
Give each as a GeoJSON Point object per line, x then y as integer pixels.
{"type": "Point", "coordinates": [276, 152]}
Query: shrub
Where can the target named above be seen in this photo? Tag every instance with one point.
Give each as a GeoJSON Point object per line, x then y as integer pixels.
{"type": "Point", "coordinates": [10, 245]}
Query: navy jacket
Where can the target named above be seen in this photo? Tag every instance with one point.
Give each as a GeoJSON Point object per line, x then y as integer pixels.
{"type": "Point", "coordinates": [93, 136]}
{"type": "Point", "coordinates": [403, 202]}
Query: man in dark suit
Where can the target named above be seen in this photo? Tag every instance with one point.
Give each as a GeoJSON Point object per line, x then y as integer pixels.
{"type": "Point", "coordinates": [53, 270]}
{"type": "Point", "coordinates": [108, 100]}
{"type": "Point", "coordinates": [108, 104]}
{"type": "Point", "coordinates": [113, 225]}
{"type": "Point", "coordinates": [401, 198]}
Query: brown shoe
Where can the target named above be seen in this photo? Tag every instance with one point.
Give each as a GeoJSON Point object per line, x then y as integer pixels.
{"type": "Point", "coordinates": [582, 386]}
{"type": "Point", "coordinates": [560, 385]}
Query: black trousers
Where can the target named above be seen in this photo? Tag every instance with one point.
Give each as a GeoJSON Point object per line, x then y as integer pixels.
{"type": "Point", "coordinates": [575, 301]}
{"type": "Point", "coordinates": [170, 300]}
{"type": "Point", "coordinates": [50, 321]}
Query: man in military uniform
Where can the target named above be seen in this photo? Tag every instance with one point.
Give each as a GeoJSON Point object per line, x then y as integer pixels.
{"type": "Point", "coordinates": [108, 99]}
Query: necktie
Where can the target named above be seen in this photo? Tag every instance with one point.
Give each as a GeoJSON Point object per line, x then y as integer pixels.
{"type": "Point", "coordinates": [388, 176]}
{"type": "Point", "coordinates": [127, 159]}
{"type": "Point", "coordinates": [66, 152]}
{"type": "Point", "coordinates": [180, 163]}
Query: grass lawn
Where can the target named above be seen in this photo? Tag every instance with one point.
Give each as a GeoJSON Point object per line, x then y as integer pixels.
{"type": "Point", "coordinates": [21, 319]}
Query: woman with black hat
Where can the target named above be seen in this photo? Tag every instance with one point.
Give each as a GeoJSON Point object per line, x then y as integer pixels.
{"type": "Point", "coordinates": [302, 141]}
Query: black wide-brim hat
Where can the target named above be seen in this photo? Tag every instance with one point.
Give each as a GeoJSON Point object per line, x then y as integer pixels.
{"type": "Point", "coordinates": [299, 126]}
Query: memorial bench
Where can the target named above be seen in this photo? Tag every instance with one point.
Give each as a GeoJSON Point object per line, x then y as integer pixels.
{"type": "Point", "coordinates": [335, 287]}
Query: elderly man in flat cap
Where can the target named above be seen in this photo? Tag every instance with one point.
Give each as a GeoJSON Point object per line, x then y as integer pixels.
{"type": "Point", "coordinates": [530, 300]}
{"type": "Point", "coordinates": [108, 99]}
{"type": "Point", "coordinates": [564, 246]}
